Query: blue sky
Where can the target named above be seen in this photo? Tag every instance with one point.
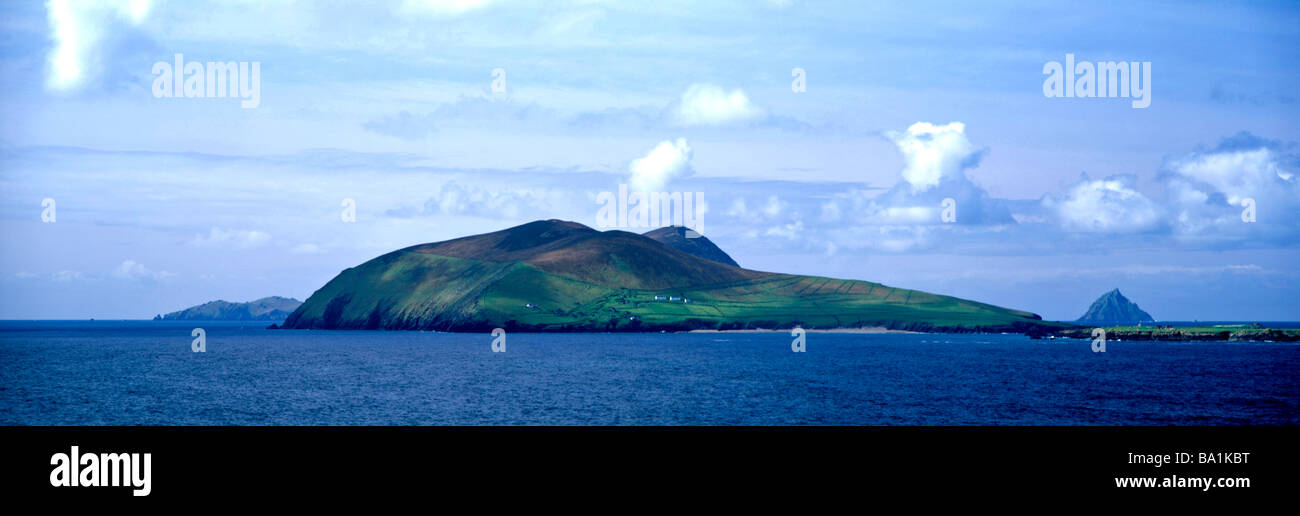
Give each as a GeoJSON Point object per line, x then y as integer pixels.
{"type": "Point", "coordinates": [162, 203]}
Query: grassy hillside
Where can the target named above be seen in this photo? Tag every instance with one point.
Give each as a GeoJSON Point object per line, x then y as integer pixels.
{"type": "Point", "coordinates": [560, 276]}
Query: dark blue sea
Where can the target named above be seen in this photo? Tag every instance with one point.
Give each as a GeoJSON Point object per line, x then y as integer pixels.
{"type": "Point", "coordinates": [144, 373]}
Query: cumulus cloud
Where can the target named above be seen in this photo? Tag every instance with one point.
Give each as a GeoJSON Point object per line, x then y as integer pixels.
{"type": "Point", "coordinates": [666, 161]}
{"type": "Point", "coordinates": [1208, 190]}
{"type": "Point", "coordinates": [904, 218]}
{"type": "Point", "coordinates": [240, 238]}
{"type": "Point", "coordinates": [78, 29]}
{"type": "Point", "coordinates": [1202, 200]}
{"type": "Point", "coordinates": [935, 160]}
{"type": "Point", "coordinates": [131, 271]}
{"type": "Point", "coordinates": [1110, 205]}
{"type": "Point", "coordinates": [709, 104]}
{"type": "Point", "coordinates": [934, 153]}
{"type": "Point", "coordinates": [1237, 174]}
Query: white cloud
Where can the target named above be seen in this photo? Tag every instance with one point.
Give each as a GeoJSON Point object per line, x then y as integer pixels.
{"type": "Point", "coordinates": [443, 7]}
{"type": "Point", "coordinates": [498, 203]}
{"type": "Point", "coordinates": [1239, 174]}
{"type": "Point", "coordinates": [934, 153]}
{"type": "Point", "coordinates": [665, 162]}
{"type": "Point", "coordinates": [66, 276]}
{"type": "Point", "coordinates": [708, 104]}
{"type": "Point", "coordinates": [218, 237]}
{"type": "Point", "coordinates": [1108, 205]}
{"type": "Point", "coordinates": [774, 206]}
{"type": "Point", "coordinates": [78, 27]}
{"type": "Point", "coordinates": [1209, 190]}
{"type": "Point", "coordinates": [905, 215]}
{"type": "Point", "coordinates": [789, 231]}
{"type": "Point", "coordinates": [935, 158]}
{"type": "Point", "coordinates": [132, 271]}
{"type": "Point", "coordinates": [882, 238]}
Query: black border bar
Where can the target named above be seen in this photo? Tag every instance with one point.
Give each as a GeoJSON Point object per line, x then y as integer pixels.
{"type": "Point", "coordinates": [295, 463]}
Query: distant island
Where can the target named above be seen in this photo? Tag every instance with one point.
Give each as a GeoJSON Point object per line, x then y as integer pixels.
{"type": "Point", "coordinates": [1123, 320]}
{"type": "Point", "coordinates": [1217, 332]}
{"type": "Point", "coordinates": [273, 308]}
{"type": "Point", "coordinates": [554, 275]}
{"type": "Point", "coordinates": [1112, 308]}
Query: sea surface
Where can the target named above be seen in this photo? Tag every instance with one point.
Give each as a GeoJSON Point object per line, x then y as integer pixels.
{"type": "Point", "coordinates": [144, 373]}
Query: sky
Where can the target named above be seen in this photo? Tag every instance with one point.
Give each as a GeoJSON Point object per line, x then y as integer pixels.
{"type": "Point", "coordinates": [910, 143]}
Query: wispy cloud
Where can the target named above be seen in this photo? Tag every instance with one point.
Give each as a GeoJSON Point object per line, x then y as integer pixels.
{"type": "Point", "coordinates": [235, 238]}
{"type": "Point", "coordinates": [130, 270]}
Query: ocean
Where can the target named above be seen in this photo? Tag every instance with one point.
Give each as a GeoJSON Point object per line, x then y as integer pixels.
{"type": "Point", "coordinates": [144, 373]}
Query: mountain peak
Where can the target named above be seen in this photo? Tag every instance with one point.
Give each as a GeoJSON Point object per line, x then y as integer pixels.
{"type": "Point", "coordinates": [688, 241]}
{"type": "Point", "coordinates": [607, 258]}
{"type": "Point", "coordinates": [1112, 308]}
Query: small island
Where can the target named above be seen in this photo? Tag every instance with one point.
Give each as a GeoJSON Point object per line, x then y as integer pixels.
{"type": "Point", "coordinates": [1124, 320]}
{"type": "Point", "coordinates": [272, 308]}
{"type": "Point", "coordinates": [1112, 308]}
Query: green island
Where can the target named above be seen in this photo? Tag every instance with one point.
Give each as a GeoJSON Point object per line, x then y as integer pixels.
{"type": "Point", "coordinates": [563, 276]}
